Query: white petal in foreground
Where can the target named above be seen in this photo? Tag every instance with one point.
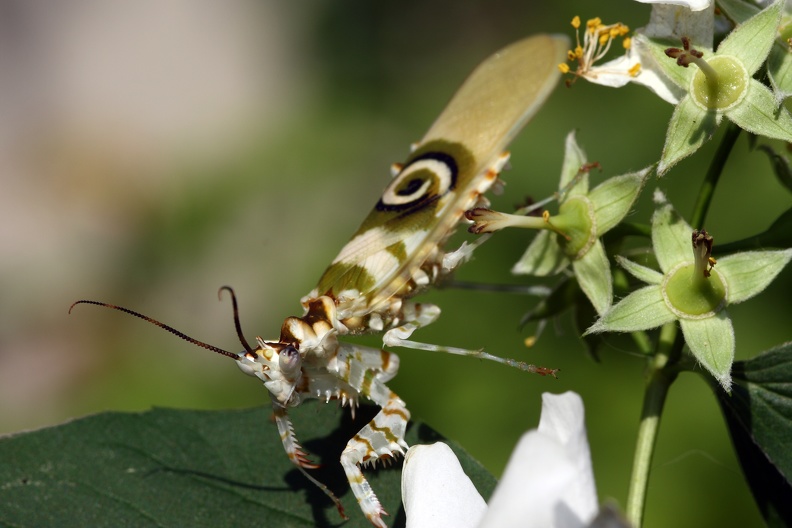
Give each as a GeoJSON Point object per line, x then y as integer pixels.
{"type": "Point", "coordinates": [548, 481]}
{"type": "Point", "coordinates": [693, 5]}
{"type": "Point", "coordinates": [436, 492]}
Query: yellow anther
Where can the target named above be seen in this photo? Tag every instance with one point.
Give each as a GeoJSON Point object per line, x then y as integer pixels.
{"type": "Point", "coordinates": [635, 69]}
{"type": "Point", "coordinates": [564, 67]}
{"type": "Point", "coordinates": [546, 216]}
{"type": "Point", "coordinates": [592, 24]}
{"type": "Point", "coordinates": [530, 341]}
{"type": "Point", "coordinates": [627, 43]}
{"type": "Point", "coordinates": [594, 45]}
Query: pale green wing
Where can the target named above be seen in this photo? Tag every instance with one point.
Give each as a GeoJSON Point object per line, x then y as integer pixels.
{"type": "Point", "coordinates": [452, 166]}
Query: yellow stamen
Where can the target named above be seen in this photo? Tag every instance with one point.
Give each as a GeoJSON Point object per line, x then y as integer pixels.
{"type": "Point", "coordinates": [627, 43]}
{"type": "Point", "coordinates": [635, 69]}
{"type": "Point", "coordinates": [564, 68]}
{"type": "Point", "coordinates": [595, 45]}
{"type": "Point", "coordinates": [593, 24]}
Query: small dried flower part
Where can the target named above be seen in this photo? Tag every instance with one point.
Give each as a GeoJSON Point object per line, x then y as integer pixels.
{"type": "Point", "coordinates": [685, 56]}
{"type": "Point", "coordinates": [702, 250]}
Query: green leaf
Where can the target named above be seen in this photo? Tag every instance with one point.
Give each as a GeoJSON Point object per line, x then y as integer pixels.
{"type": "Point", "coordinates": [690, 127]}
{"type": "Point", "coordinates": [759, 416]}
{"type": "Point", "coordinates": [193, 468]}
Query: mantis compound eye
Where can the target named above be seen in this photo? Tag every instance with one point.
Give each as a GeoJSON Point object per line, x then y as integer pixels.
{"type": "Point", "coordinates": [290, 361]}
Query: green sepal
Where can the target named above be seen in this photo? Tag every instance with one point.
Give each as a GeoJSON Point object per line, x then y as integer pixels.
{"type": "Point", "coordinates": [642, 273]}
{"type": "Point", "coordinates": [576, 220]}
{"type": "Point", "coordinates": [574, 159]}
{"type": "Point", "coordinates": [671, 238]}
{"type": "Point", "coordinates": [751, 41]}
{"type": "Point", "coordinates": [758, 114]}
{"type": "Point", "coordinates": [711, 341]}
{"type": "Point", "coordinates": [690, 127]}
{"type": "Point", "coordinates": [543, 257]}
{"type": "Point", "coordinates": [614, 197]}
{"type": "Point", "coordinates": [779, 71]}
{"type": "Point", "coordinates": [641, 310]}
{"type": "Point", "coordinates": [593, 274]}
{"type": "Point", "coordinates": [751, 272]}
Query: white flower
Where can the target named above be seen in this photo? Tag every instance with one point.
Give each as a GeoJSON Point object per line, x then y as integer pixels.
{"type": "Point", "coordinates": [669, 20]}
{"type": "Point", "coordinates": [694, 5]}
{"type": "Point", "coordinates": [548, 481]}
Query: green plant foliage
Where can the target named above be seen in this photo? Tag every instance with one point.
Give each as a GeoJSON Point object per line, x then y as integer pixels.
{"type": "Point", "coordinates": [169, 467]}
{"type": "Point", "coordinates": [759, 416]}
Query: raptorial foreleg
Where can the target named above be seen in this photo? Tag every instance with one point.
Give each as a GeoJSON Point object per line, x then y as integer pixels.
{"type": "Point", "coordinates": [381, 439]}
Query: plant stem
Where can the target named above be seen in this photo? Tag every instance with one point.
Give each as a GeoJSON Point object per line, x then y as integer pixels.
{"type": "Point", "coordinates": [662, 375]}
{"type": "Point", "coordinates": [714, 172]}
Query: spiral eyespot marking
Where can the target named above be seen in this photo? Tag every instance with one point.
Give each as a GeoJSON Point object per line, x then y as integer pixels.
{"type": "Point", "coordinates": [422, 181]}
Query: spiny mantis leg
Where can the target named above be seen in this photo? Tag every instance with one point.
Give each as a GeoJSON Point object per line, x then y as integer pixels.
{"type": "Point", "coordinates": [419, 315]}
{"type": "Point", "coordinates": [380, 439]}
{"type": "Point", "coordinates": [298, 456]}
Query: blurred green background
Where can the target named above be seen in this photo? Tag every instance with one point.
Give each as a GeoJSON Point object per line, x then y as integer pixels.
{"type": "Point", "coordinates": [151, 153]}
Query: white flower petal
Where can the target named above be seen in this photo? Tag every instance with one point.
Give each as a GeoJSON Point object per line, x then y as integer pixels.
{"type": "Point", "coordinates": [693, 5]}
{"type": "Point", "coordinates": [435, 490]}
{"type": "Point", "coordinates": [564, 418]}
{"type": "Point", "coordinates": [616, 73]}
{"type": "Point", "coordinates": [548, 481]}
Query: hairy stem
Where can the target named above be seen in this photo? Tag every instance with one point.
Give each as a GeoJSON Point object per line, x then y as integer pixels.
{"type": "Point", "coordinates": [663, 373]}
